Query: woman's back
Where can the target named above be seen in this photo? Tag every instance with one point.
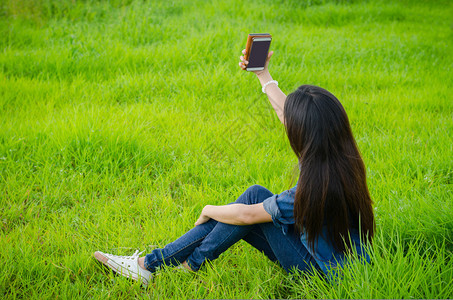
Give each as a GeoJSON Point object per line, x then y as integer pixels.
{"type": "Point", "coordinates": [326, 255]}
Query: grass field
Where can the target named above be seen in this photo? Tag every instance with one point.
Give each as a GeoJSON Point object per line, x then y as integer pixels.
{"type": "Point", "coordinates": [120, 120]}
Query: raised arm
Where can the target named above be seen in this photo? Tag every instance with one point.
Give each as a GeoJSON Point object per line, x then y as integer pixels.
{"type": "Point", "coordinates": [276, 97]}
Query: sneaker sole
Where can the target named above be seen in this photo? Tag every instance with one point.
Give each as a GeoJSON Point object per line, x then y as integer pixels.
{"type": "Point", "coordinates": [105, 261]}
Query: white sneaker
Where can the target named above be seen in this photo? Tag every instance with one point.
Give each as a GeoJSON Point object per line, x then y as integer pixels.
{"type": "Point", "coordinates": [125, 265]}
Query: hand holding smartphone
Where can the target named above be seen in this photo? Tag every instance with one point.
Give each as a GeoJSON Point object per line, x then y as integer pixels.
{"type": "Point", "coordinates": [257, 50]}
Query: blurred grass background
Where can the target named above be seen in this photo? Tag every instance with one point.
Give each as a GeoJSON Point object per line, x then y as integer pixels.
{"type": "Point", "coordinates": [121, 119]}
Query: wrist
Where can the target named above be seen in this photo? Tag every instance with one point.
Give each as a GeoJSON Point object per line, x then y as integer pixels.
{"type": "Point", "coordinates": [205, 210]}
{"type": "Point", "coordinates": [267, 83]}
{"type": "Point", "coordinates": [264, 77]}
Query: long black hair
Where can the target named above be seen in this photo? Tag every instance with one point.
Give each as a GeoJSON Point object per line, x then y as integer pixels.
{"type": "Point", "coordinates": [331, 189]}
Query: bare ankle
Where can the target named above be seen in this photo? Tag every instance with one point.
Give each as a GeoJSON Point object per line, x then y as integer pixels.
{"type": "Point", "coordinates": [141, 262]}
{"type": "Point", "coordinates": [186, 265]}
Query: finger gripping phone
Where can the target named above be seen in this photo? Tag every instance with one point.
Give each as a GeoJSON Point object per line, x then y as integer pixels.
{"type": "Point", "coordinates": [257, 50]}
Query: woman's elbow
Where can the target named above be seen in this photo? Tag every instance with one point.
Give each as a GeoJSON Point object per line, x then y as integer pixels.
{"type": "Point", "coordinates": [254, 214]}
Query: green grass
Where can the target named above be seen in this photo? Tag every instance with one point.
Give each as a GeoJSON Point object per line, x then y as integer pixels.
{"type": "Point", "coordinates": [120, 120]}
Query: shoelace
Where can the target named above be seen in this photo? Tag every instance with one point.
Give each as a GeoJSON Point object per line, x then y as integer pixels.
{"type": "Point", "coordinates": [137, 254]}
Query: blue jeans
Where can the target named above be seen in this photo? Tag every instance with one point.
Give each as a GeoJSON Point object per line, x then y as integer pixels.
{"type": "Point", "coordinates": [207, 241]}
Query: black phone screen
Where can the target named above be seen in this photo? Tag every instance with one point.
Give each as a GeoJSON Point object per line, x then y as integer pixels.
{"type": "Point", "coordinates": [258, 54]}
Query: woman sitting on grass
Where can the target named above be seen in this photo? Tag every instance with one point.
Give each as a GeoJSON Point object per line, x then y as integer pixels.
{"type": "Point", "coordinates": [312, 226]}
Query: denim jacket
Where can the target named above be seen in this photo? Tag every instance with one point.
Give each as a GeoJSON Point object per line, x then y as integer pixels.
{"type": "Point", "coordinates": [280, 207]}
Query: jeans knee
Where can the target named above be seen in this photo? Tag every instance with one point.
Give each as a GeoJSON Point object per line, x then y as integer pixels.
{"type": "Point", "coordinates": [256, 188]}
{"type": "Point", "coordinates": [254, 194]}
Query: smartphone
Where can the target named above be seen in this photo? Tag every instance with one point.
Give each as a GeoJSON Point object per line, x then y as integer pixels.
{"type": "Point", "coordinates": [257, 50]}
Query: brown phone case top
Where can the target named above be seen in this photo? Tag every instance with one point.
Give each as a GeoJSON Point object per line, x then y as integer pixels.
{"type": "Point", "coordinates": [250, 38]}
